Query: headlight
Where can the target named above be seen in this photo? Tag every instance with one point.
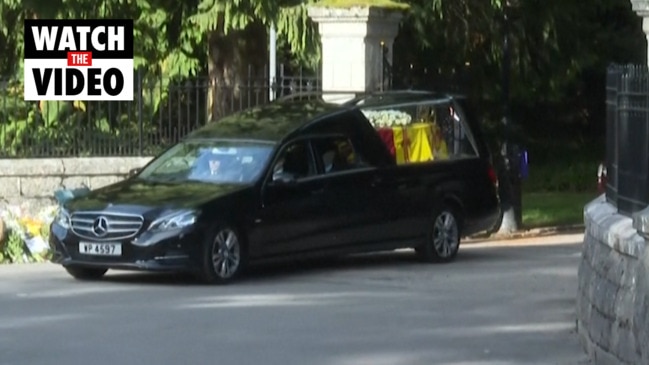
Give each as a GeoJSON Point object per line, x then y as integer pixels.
{"type": "Point", "coordinates": [63, 219]}
{"type": "Point", "coordinates": [174, 221]}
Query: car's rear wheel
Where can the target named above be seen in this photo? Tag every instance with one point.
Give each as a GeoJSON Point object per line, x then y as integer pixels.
{"type": "Point", "coordinates": [224, 256]}
{"type": "Point", "coordinates": [442, 242]}
{"type": "Point", "coordinates": [85, 273]}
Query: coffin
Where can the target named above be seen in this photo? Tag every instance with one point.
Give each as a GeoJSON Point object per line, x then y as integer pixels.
{"type": "Point", "coordinates": [416, 142]}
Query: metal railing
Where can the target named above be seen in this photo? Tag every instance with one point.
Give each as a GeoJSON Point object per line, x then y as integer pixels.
{"type": "Point", "coordinates": [162, 112]}
{"type": "Point", "coordinates": [627, 137]}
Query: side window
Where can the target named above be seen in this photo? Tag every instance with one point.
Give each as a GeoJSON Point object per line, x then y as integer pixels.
{"type": "Point", "coordinates": [423, 132]}
{"type": "Point", "coordinates": [456, 133]}
{"type": "Point", "coordinates": [337, 154]}
{"type": "Point", "coordinates": [294, 162]}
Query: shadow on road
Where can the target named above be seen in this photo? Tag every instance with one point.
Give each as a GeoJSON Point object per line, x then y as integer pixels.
{"type": "Point", "coordinates": [279, 271]}
{"type": "Point", "coordinates": [496, 304]}
{"type": "Point", "coordinates": [403, 260]}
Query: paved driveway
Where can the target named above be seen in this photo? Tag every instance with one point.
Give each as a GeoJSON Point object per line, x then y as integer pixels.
{"type": "Point", "coordinates": [499, 303]}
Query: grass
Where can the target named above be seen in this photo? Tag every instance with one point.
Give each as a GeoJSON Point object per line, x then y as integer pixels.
{"type": "Point", "coordinates": [554, 208]}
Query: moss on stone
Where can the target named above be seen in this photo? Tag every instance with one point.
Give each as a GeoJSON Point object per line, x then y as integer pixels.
{"type": "Point", "coordinates": [386, 4]}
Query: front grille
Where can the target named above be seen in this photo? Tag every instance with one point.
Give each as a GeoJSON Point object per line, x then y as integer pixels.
{"type": "Point", "coordinates": [100, 226]}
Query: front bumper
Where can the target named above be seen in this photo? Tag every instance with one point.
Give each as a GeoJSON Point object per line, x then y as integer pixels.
{"type": "Point", "coordinates": [169, 251]}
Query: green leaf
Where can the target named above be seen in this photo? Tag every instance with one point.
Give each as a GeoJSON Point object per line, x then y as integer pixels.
{"type": "Point", "coordinates": [102, 125]}
{"type": "Point", "coordinates": [80, 105]}
{"type": "Point", "coordinates": [52, 111]}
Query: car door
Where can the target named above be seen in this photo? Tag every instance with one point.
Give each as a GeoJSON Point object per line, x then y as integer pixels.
{"type": "Point", "coordinates": [350, 197]}
{"type": "Point", "coordinates": [400, 194]}
{"type": "Point", "coordinates": [293, 216]}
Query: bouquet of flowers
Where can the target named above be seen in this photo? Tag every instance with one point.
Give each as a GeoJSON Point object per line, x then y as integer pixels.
{"type": "Point", "coordinates": [387, 118]}
{"type": "Point", "coordinates": [24, 235]}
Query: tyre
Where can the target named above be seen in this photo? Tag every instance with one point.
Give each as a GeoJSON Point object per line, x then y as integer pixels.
{"type": "Point", "coordinates": [85, 273]}
{"type": "Point", "coordinates": [442, 241]}
{"type": "Point", "coordinates": [224, 256]}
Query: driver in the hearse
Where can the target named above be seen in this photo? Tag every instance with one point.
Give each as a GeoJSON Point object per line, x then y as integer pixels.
{"type": "Point", "coordinates": [208, 166]}
{"type": "Point", "coordinates": [221, 165]}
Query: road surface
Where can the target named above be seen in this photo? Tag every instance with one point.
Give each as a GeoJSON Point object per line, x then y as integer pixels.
{"type": "Point", "coordinates": [499, 303]}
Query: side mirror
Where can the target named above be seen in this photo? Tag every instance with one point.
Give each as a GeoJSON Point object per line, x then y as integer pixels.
{"type": "Point", "coordinates": [133, 172]}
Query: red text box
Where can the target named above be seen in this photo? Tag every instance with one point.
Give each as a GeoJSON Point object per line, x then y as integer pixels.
{"type": "Point", "coordinates": [79, 58]}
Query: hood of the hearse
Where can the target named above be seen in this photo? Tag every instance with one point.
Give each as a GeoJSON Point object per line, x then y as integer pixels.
{"type": "Point", "coordinates": [144, 197]}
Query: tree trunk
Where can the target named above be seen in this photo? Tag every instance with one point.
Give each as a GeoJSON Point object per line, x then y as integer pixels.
{"type": "Point", "coordinates": [235, 61]}
{"type": "Point", "coordinates": [509, 189]}
{"type": "Point", "coordinates": [510, 222]}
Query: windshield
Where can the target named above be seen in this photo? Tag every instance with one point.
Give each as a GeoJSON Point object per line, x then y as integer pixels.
{"type": "Point", "coordinates": [209, 161]}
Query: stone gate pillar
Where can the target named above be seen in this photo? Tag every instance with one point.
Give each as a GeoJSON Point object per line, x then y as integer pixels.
{"type": "Point", "coordinates": [353, 42]}
{"type": "Point", "coordinates": [641, 7]}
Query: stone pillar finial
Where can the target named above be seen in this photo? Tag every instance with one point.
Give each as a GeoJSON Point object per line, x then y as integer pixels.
{"type": "Point", "coordinates": [354, 40]}
{"type": "Point", "coordinates": [641, 7]}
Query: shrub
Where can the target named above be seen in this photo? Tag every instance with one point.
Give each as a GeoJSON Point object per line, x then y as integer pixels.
{"type": "Point", "coordinates": [562, 177]}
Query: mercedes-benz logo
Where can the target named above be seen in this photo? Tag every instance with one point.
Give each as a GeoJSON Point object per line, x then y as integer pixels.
{"type": "Point", "coordinates": [100, 226]}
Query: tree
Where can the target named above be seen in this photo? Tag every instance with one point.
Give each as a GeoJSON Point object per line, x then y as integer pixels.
{"type": "Point", "coordinates": [183, 39]}
{"type": "Point", "coordinates": [235, 33]}
{"type": "Point", "coordinates": [558, 51]}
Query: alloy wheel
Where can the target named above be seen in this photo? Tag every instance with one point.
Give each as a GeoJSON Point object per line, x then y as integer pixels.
{"type": "Point", "coordinates": [445, 235]}
{"type": "Point", "coordinates": [226, 254]}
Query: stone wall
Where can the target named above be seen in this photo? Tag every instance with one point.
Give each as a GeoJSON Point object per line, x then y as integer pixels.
{"type": "Point", "coordinates": [32, 182]}
{"type": "Point", "coordinates": [613, 295]}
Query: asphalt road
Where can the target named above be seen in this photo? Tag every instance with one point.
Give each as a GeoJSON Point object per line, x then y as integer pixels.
{"type": "Point", "coordinates": [499, 303]}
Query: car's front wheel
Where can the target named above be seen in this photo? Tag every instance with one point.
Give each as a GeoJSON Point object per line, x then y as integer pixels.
{"type": "Point", "coordinates": [224, 256]}
{"type": "Point", "coordinates": [85, 273]}
{"type": "Point", "coordinates": [443, 239]}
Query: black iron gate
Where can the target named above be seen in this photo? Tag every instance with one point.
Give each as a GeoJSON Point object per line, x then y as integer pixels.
{"type": "Point", "coordinates": [627, 137]}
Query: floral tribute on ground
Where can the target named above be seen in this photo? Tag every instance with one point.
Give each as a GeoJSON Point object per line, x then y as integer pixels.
{"type": "Point", "coordinates": [23, 234]}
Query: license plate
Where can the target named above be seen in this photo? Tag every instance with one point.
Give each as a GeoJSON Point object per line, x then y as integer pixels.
{"type": "Point", "coordinates": [100, 249]}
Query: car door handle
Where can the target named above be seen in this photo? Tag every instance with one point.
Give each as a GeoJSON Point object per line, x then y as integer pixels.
{"type": "Point", "coordinates": [317, 191]}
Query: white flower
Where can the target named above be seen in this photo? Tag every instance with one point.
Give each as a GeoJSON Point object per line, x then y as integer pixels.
{"type": "Point", "coordinates": [387, 118]}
